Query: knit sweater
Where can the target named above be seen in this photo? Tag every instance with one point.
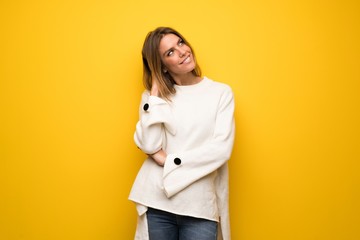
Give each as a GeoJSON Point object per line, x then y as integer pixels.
{"type": "Point", "coordinates": [196, 130]}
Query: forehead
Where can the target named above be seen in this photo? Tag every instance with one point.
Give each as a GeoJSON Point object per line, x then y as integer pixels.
{"type": "Point", "coordinates": [167, 42]}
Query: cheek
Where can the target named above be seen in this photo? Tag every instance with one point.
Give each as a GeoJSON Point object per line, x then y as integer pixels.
{"type": "Point", "coordinates": [169, 63]}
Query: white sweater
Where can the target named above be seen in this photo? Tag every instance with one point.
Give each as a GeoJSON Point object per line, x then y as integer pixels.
{"type": "Point", "coordinates": [196, 130]}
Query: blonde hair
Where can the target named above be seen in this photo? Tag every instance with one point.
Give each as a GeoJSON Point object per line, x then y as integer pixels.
{"type": "Point", "coordinates": [152, 62]}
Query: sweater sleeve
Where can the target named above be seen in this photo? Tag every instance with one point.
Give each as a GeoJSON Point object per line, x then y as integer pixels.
{"type": "Point", "coordinates": [154, 115]}
{"type": "Point", "coordinates": [184, 168]}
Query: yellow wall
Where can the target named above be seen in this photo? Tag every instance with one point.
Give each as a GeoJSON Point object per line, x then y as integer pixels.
{"type": "Point", "coordinates": [70, 84]}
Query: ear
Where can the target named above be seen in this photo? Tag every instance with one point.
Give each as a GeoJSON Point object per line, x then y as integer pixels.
{"type": "Point", "coordinates": [164, 70]}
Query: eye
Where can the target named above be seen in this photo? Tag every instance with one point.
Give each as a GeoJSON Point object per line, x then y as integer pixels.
{"type": "Point", "coordinates": [181, 42]}
{"type": "Point", "coordinates": [169, 53]}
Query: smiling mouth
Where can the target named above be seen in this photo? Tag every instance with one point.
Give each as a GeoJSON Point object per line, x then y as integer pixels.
{"type": "Point", "coordinates": [187, 59]}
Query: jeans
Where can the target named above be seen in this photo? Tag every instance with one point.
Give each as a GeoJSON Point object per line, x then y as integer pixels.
{"type": "Point", "coordinates": [168, 226]}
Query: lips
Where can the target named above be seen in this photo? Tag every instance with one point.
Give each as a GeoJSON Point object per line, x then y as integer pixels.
{"type": "Point", "coordinates": [186, 59]}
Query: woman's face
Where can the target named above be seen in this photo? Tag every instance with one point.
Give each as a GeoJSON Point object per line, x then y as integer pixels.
{"type": "Point", "coordinates": [175, 55]}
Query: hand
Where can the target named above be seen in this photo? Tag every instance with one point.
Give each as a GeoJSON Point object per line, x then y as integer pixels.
{"type": "Point", "coordinates": [154, 86]}
{"type": "Point", "coordinates": [159, 157]}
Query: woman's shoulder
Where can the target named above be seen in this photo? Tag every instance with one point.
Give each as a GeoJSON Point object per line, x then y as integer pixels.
{"type": "Point", "coordinates": [221, 86]}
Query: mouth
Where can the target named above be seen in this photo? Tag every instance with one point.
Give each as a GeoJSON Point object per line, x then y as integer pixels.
{"type": "Point", "coordinates": [186, 59]}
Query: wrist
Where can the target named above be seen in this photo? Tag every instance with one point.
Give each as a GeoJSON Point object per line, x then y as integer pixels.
{"type": "Point", "coordinates": [154, 93]}
{"type": "Point", "coordinates": [159, 157]}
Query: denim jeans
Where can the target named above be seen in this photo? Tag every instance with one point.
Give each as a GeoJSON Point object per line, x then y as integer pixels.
{"type": "Point", "coordinates": [168, 226]}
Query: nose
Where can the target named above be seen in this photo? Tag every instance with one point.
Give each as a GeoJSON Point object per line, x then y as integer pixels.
{"type": "Point", "coordinates": [181, 52]}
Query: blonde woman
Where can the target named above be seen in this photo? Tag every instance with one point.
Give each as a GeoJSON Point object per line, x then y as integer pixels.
{"type": "Point", "coordinates": [186, 128]}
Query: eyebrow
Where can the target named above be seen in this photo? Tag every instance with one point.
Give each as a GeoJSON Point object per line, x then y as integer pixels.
{"type": "Point", "coordinates": [172, 48]}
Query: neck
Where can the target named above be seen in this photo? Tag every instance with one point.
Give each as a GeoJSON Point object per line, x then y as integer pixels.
{"type": "Point", "coordinates": [187, 79]}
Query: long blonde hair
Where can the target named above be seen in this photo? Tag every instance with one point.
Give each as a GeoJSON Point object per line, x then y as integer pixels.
{"type": "Point", "coordinates": [152, 62]}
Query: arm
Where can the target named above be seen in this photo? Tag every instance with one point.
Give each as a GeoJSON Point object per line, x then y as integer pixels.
{"type": "Point", "coordinates": [183, 168]}
{"type": "Point", "coordinates": [159, 157]}
{"type": "Point", "coordinates": [155, 114]}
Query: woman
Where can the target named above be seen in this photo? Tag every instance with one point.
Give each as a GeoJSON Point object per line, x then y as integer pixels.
{"type": "Point", "coordinates": [186, 128]}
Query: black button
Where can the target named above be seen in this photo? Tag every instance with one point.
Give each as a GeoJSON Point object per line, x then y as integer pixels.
{"type": "Point", "coordinates": [177, 161]}
{"type": "Point", "coordinates": [146, 107]}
